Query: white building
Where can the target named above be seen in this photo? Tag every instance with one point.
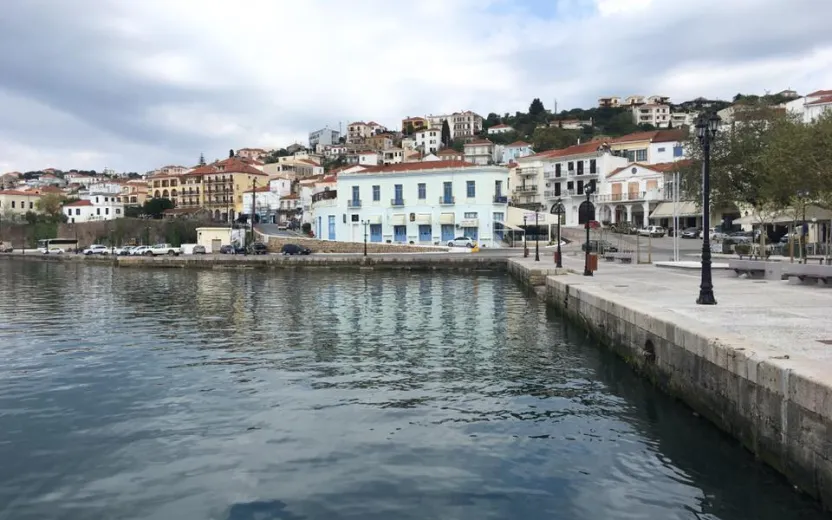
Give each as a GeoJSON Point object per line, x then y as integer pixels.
{"type": "Point", "coordinates": [324, 136]}
{"type": "Point", "coordinates": [418, 203]}
{"type": "Point", "coordinates": [369, 158]}
{"type": "Point", "coordinates": [103, 206]}
{"type": "Point", "coordinates": [482, 152]}
{"type": "Point", "coordinates": [358, 131]}
{"type": "Point", "coordinates": [428, 140]}
{"type": "Point", "coordinates": [105, 185]}
{"type": "Point", "coordinates": [546, 177]}
{"type": "Point", "coordinates": [680, 119]}
{"type": "Point", "coordinates": [811, 106]}
{"type": "Point", "coordinates": [461, 124]}
{"type": "Point", "coordinates": [392, 156]}
{"type": "Point", "coordinates": [500, 129]}
{"type": "Point", "coordinates": [651, 114]}
{"type": "Point", "coordinates": [630, 193]}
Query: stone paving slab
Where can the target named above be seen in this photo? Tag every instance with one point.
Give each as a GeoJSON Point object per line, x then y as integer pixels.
{"type": "Point", "coordinates": [793, 319]}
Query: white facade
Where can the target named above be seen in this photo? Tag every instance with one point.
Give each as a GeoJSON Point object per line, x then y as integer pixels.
{"type": "Point", "coordinates": [105, 186]}
{"type": "Point", "coordinates": [266, 203]}
{"type": "Point", "coordinates": [500, 129]}
{"type": "Point", "coordinates": [428, 140]}
{"type": "Point", "coordinates": [103, 206]}
{"type": "Point", "coordinates": [368, 159]}
{"type": "Point", "coordinates": [419, 203]}
{"type": "Point", "coordinates": [482, 152]}
{"type": "Point", "coordinates": [652, 114]}
{"type": "Point", "coordinates": [665, 152]}
{"type": "Point", "coordinates": [629, 194]}
{"type": "Point", "coordinates": [324, 136]}
{"type": "Point", "coordinates": [393, 156]}
{"type": "Point", "coordinates": [811, 106]}
{"type": "Point", "coordinates": [680, 119]}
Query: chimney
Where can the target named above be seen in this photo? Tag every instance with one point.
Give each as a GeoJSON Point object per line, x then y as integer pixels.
{"type": "Point", "coordinates": [579, 140]}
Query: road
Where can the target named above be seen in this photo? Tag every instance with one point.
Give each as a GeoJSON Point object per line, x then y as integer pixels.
{"type": "Point", "coordinates": [660, 248]}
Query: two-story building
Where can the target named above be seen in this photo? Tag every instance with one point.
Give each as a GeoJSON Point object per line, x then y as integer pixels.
{"type": "Point", "coordinates": [325, 137]}
{"type": "Point", "coordinates": [15, 203]}
{"type": "Point", "coordinates": [358, 131]}
{"type": "Point", "coordinates": [379, 141]}
{"type": "Point", "coordinates": [95, 207]}
{"type": "Point", "coordinates": [414, 124]}
{"type": "Point", "coordinates": [652, 147]}
{"type": "Point", "coordinates": [515, 150]}
{"type": "Point", "coordinates": [428, 140]}
{"type": "Point", "coordinates": [811, 106]}
{"type": "Point", "coordinates": [416, 203]}
{"type": "Point", "coordinates": [481, 152]}
{"type": "Point", "coordinates": [651, 114]}
{"type": "Point", "coordinates": [164, 185]}
{"type": "Point", "coordinates": [500, 129]}
{"type": "Point", "coordinates": [630, 193]}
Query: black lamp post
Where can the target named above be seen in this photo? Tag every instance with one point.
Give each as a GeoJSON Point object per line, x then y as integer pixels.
{"type": "Point", "coordinates": [365, 222]}
{"type": "Point", "coordinates": [536, 236]}
{"type": "Point", "coordinates": [525, 229]}
{"type": "Point", "coordinates": [706, 129]}
{"type": "Point", "coordinates": [589, 189]}
{"type": "Point", "coordinates": [558, 209]}
{"type": "Point", "coordinates": [803, 194]}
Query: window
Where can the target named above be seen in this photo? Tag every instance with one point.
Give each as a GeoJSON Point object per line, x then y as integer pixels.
{"type": "Point", "coordinates": [498, 188]}
{"type": "Point", "coordinates": [376, 193]}
{"type": "Point", "coordinates": [580, 167]}
{"type": "Point", "coordinates": [499, 217]}
{"type": "Point", "coordinates": [13, 203]}
{"type": "Point", "coordinates": [641, 155]}
{"type": "Point", "coordinates": [447, 192]}
{"type": "Point", "coordinates": [118, 211]}
{"type": "Point", "coordinates": [580, 187]}
{"type": "Point", "coordinates": [354, 217]}
{"type": "Point", "coordinates": [106, 211]}
{"type": "Point", "coordinates": [31, 205]}
{"type": "Point", "coordinates": [470, 214]}
{"type": "Point", "coordinates": [97, 211]}
{"type": "Point", "coordinates": [570, 166]}
{"type": "Point", "coordinates": [678, 151]}
{"type": "Point", "coordinates": [661, 150]}
{"type": "Point", "coordinates": [570, 185]}
{"type": "Point", "coordinates": [397, 192]}
{"type": "Point", "coordinates": [471, 189]}
{"type": "Point", "coordinates": [422, 191]}
{"type": "Point", "coordinates": [631, 155]}
{"type": "Point", "coordinates": [96, 200]}
{"type": "Point", "coordinates": [77, 211]}
{"type": "Point", "coordinates": [592, 166]}
{"type": "Point", "coordinates": [557, 170]}
{"type": "Point", "coordinates": [355, 193]}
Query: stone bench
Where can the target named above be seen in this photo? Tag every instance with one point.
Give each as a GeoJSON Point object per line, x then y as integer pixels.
{"type": "Point", "coordinates": [808, 272]}
{"type": "Point", "coordinates": [756, 268]}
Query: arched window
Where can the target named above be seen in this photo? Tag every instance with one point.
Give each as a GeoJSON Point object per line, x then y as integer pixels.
{"type": "Point", "coordinates": [586, 212]}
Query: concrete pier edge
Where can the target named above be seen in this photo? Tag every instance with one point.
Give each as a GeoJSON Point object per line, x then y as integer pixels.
{"type": "Point", "coordinates": [777, 406]}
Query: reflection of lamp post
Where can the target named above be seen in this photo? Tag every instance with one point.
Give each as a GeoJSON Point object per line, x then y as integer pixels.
{"type": "Point", "coordinates": [536, 236]}
{"type": "Point", "coordinates": [558, 209]}
{"type": "Point", "coordinates": [588, 191]}
{"type": "Point", "coordinates": [366, 223]}
{"type": "Point", "coordinates": [706, 128]}
{"type": "Point", "coordinates": [525, 229]}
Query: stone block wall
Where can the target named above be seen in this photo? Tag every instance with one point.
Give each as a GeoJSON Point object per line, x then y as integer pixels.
{"type": "Point", "coordinates": [324, 246]}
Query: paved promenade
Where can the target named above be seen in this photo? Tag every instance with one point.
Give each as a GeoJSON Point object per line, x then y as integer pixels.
{"type": "Point", "coordinates": [794, 319]}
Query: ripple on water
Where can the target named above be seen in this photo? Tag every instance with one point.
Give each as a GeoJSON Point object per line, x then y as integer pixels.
{"type": "Point", "coordinates": [239, 395]}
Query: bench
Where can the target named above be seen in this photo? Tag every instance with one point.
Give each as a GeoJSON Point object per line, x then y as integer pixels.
{"type": "Point", "coordinates": [609, 257]}
{"type": "Point", "coordinates": [755, 268]}
{"type": "Point", "coordinates": [624, 258]}
{"type": "Point", "coordinates": [808, 272]}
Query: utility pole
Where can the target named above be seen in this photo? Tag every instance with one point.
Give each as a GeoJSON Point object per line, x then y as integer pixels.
{"type": "Point", "coordinates": [253, 202]}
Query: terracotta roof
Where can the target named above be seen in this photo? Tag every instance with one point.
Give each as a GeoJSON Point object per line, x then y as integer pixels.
{"type": "Point", "coordinates": [367, 152]}
{"type": "Point", "coordinates": [259, 189]}
{"type": "Point", "coordinates": [501, 125]}
{"type": "Point", "coordinates": [18, 192]}
{"type": "Point", "coordinates": [820, 93]}
{"type": "Point", "coordinates": [417, 118]}
{"type": "Point", "coordinates": [291, 196]}
{"type": "Point", "coordinates": [416, 166]}
{"type": "Point", "coordinates": [578, 149]}
{"type": "Point", "coordinates": [518, 144]}
{"type": "Point", "coordinates": [822, 101]}
{"type": "Point", "coordinates": [654, 136]}
{"type": "Point", "coordinates": [232, 165]}
{"type": "Point", "coordinates": [50, 189]}
{"type": "Point", "coordinates": [308, 161]}
{"type": "Point", "coordinates": [252, 150]}
{"type": "Point", "coordinates": [373, 123]}
{"type": "Point", "coordinates": [658, 168]}
{"type": "Point", "coordinates": [478, 142]}
{"type": "Point", "coordinates": [79, 203]}
{"type": "Point", "coordinates": [358, 123]}
{"type": "Point", "coordinates": [448, 151]}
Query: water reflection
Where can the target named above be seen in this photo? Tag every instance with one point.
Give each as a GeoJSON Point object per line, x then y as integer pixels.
{"type": "Point", "coordinates": [320, 394]}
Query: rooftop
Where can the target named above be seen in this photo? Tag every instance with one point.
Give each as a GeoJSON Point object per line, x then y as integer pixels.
{"type": "Point", "coordinates": [415, 167]}
{"type": "Point", "coordinates": [79, 203]}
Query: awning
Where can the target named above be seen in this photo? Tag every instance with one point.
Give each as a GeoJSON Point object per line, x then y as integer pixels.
{"type": "Point", "coordinates": [470, 222]}
{"type": "Point", "coordinates": [514, 217]}
{"type": "Point", "coordinates": [683, 209]}
{"type": "Point", "coordinates": [503, 225]}
{"type": "Point", "coordinates": [398, 219]}
{"type": "Point", "coordinates": [374, 219]}
{"type": "Point", "coordinates": [423, 218]}
{"type": "Point", "coordinates": [446, 218]}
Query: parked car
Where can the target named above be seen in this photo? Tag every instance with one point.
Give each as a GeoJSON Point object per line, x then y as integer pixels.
{"type": "Point", "coordinates": [741, 237]}
{"type": "Point", "coordinates": [624, 228]}
{"type": "Point", "coordinates": [232, 250]}
{"type": "Point", "coordinates": [97, 249]}
{"type": "Point", "coordinates": [258, 248]}
{"type": "Point", "coordinates": [199, 250]}
{"type": "Point", "coordinates": [141, 251]}
{"type": "Point", "coordinates": [461, 242]}
{"type": "Point", "coordinates": [51, 251]}
{"type": "Point", "coordinates": [599, 246]}
{"type": "Point", "coordinates": [164, 249]}
{"type": "Point", "coordinates": [122, 251]}
{"type": "Point", "coordinates": [691, 232]}
{"type": "Point", "coordinates": [294, 249]}
{"type": "Point", "coordinates": [652, 231]}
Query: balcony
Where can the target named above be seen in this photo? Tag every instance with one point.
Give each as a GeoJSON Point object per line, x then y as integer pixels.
{"type": "Point", "coordinates": [527, 172]}
{"type": "Point", "coordinates": [447, 201]}
{"type": "Point", "coordinates": [397, 203]}
{"type": "Point", "coordinates": [552, 175]}
{"type": "Point", "coordinates": [635, 196]}
{"type": "Point", "coordinates": [500, 199]}
{"type": "Point", "coordinates": [526, 188]}
{"type": "Point", "coordinates": [354, 203]}
{"type": "Point", "coordinates": [552, 194]}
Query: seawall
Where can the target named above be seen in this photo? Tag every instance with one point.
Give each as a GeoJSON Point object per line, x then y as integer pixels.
{"type": "Point", "coordinates": [778, 406]}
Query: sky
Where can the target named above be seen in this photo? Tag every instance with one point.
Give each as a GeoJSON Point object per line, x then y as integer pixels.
{"type": "Point", "coordinates": [134, 85]}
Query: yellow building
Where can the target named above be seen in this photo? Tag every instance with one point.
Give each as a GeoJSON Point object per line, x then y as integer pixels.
{"type": "Point", "coordinates": [133, 193]}
{"type": "Point", "coordinates": [220, 186]}
{"type": "Point", "coordinates": [164, 185]}
{"type": "Point", "coordinates": [414, 123]}
{"type": "Point", "coordinates": [15, 204]}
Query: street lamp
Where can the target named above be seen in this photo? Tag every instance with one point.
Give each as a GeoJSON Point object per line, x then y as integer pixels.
{"type": "Point", "coordinates": [558, 209]}
{"type": "Point", "coordinates": [365, 223]}
{"type": "Point", "coordinates": [589, 189]}
{"type": "Point", "coordinates": [525, 229]}
{"type": "Point", "coordinates": [536, 236]}
{"type": "Point", "coordinates": [804, 226]}
{"type": "Point", "coordinates": [706, 129]}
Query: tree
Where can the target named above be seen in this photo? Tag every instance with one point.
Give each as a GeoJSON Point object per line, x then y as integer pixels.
{"type": "Point", "coordinates": [50, 204]}
{"type": "Point", "coordinates": [553, 138]}
{"type": "Point", "coordinates": [446, 134]}
{"type": "Point", "coordinates": [230, 153]}
{"type": "Point", "coordinates": [202, 159]}
{"type": "Point", "coordinates": [155, 208]}
{"type": "Point", "coordinates": [536, 108]}
{"type": "Point", "coordinates": [408, 128]}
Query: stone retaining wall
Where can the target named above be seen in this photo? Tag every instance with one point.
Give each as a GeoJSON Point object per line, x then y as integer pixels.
{"type": "Point", "coordinates": [331, 246]}
{"type": "Point", "coordinates": [779, 408]}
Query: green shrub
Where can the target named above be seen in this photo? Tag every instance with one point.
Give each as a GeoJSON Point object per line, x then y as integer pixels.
{"type": "Point", "coordinates": [742, 249]}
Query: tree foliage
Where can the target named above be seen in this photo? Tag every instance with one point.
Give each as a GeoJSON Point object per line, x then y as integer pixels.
{"type": "Point", "coordinates": [50, 204]}
{"type": "Point", "coordinates": [446, 134]}
{"type": "Point", "coordinates": [155, 208]}
{"type": "Point", "coordinates": [536, 108]}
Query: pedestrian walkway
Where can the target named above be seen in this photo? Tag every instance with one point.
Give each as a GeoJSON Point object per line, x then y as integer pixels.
{"type": "Point", "coordinates": [794, 319]}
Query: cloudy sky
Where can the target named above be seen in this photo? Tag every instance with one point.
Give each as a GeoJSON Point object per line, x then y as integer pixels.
{"type": "Point", "coordinates": [133, 85]}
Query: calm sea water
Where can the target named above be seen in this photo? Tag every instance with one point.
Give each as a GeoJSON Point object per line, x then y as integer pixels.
{"type": "Point", "coordinates": [129, 394]}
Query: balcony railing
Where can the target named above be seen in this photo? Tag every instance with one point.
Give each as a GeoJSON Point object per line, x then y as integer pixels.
{"type": "Point", "coordinates": [631, 196]}
{"type": "Point", "coordinates": [552, 175]}
{"type": "Point", "coordinates": [529, 171]}
{"type": "Point", "coordinates": [325, 195]}
{"type": "Point", "coordinates": [523, 188]}
{"type": "Point", "coordinates": [447, 201]}
{"type": "Point", "coordinates": [500, 199]}
{"type": "Point", "coordinates": [396, 202]}
{"type": "Point", "coordinates": [353, 203]}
